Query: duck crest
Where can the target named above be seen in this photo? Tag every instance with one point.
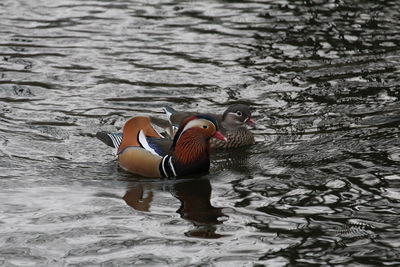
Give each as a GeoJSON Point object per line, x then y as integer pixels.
{"type": "Point", "coordinates": [186, 121]}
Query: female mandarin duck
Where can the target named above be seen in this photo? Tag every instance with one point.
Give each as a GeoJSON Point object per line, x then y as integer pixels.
{"type": "Point", "coordinates": [233, 125]}
{"type": "Point", "coordinates": [143, 151]}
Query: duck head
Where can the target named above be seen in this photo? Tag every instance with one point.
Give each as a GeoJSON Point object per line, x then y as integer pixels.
{"type": "Point", "coordinates": [191, 145]}
{"type": "Point", "coordinates": [237, 116]}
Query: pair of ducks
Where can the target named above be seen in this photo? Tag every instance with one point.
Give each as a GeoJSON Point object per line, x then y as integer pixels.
{"type": "Point", "coordinates": [144, 151]}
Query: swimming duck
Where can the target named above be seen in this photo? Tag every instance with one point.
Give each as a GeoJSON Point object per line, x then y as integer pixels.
{"type": "Point", "coordinates": [143, 151]}
{"type": "Point", "coordinates": [233, 125]}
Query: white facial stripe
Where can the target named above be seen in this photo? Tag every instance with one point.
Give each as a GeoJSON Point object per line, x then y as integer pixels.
{"type": "Point", "coordinates": [195, 123]}
{"type": "Point", "coordinates": [235, 113]}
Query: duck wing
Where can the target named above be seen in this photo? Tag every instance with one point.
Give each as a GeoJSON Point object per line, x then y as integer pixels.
{"type": "Point", "coordinates": [175, 118]}
{"type": "Point", "coordinates": [160, 145]}
{"type": "Point", "coordinates": [135, 153]}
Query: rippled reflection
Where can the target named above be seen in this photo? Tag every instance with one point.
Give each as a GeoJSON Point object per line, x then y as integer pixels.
{"type": "Point", "coordinates": [320, 187]}
{"type": "Point", "coordinates": [195, 204]}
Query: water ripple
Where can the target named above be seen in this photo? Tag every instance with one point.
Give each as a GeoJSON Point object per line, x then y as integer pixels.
{"type": "Point", "coordinates": [320, 187]}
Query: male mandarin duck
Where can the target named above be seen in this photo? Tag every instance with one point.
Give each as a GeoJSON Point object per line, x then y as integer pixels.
{"type": "Point", "coordinates": [142, 150]}
{"type": "Point", "coordinates": [232, 125]}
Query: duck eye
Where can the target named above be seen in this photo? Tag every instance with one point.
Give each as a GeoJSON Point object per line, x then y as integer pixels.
{"type": "Point", "coordinates": [205, 126]}
{"type": "Point", "coordinates": [239, 113]}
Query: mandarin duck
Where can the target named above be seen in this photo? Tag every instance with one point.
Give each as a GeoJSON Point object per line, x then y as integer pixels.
{"type": "Point", "coordinates": [143, 151]}
{"type": "Point", "coordinates": [232, 125]}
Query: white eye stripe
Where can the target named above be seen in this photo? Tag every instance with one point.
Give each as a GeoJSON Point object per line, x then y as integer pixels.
{"type": "Point", "coordinates": [194, 123]}
{"type": "Point", "coordinates": [237, 114]}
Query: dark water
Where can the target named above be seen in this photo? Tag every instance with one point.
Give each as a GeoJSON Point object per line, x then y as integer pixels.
{"type": "Point", "coordinates": [320, 187]}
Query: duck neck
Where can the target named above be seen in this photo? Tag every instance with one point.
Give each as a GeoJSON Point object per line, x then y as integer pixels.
{"type": "Point", "coordinates": [191, 153]}
{"type": "Point", "coordinates": [231, 125]}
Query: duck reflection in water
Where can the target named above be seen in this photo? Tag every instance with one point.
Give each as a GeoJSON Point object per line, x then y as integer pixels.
{"type": "Point", "coordinates": [195, 205]}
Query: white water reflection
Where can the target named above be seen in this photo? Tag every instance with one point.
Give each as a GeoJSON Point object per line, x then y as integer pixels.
{"type": "Point", "coordinates": [319, 187]}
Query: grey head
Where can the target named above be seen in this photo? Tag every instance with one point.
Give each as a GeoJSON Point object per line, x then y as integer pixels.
{"type": "Point", "coordinates": [237, 116]}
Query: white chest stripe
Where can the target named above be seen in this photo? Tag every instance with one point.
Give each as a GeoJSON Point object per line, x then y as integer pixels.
{"type": "Point", "coordinates": [167, 169]}
{"type": "Point", "coordinates": [172, 166]}
{"type": "Point", "coordinates": [163, 166]}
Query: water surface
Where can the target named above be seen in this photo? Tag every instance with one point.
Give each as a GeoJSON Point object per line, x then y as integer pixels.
{"type": "Point", "coordinates": [321, 186]}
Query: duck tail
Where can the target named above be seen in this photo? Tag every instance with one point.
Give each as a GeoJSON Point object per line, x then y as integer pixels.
{"type": "Point", "coordinates": [111, 139]}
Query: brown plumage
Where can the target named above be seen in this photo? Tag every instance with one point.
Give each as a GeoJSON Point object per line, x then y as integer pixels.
{"type": "Point", "coordinates": [142, 150]}
{"type": "Point", "coordinates": [233, 124]}
{"type": "Point", "coordinates": [131, 130]}
{"type": "Point", "coordinates": [191, 147]}
{"type": "Point", "coordinates": [237, 138]}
